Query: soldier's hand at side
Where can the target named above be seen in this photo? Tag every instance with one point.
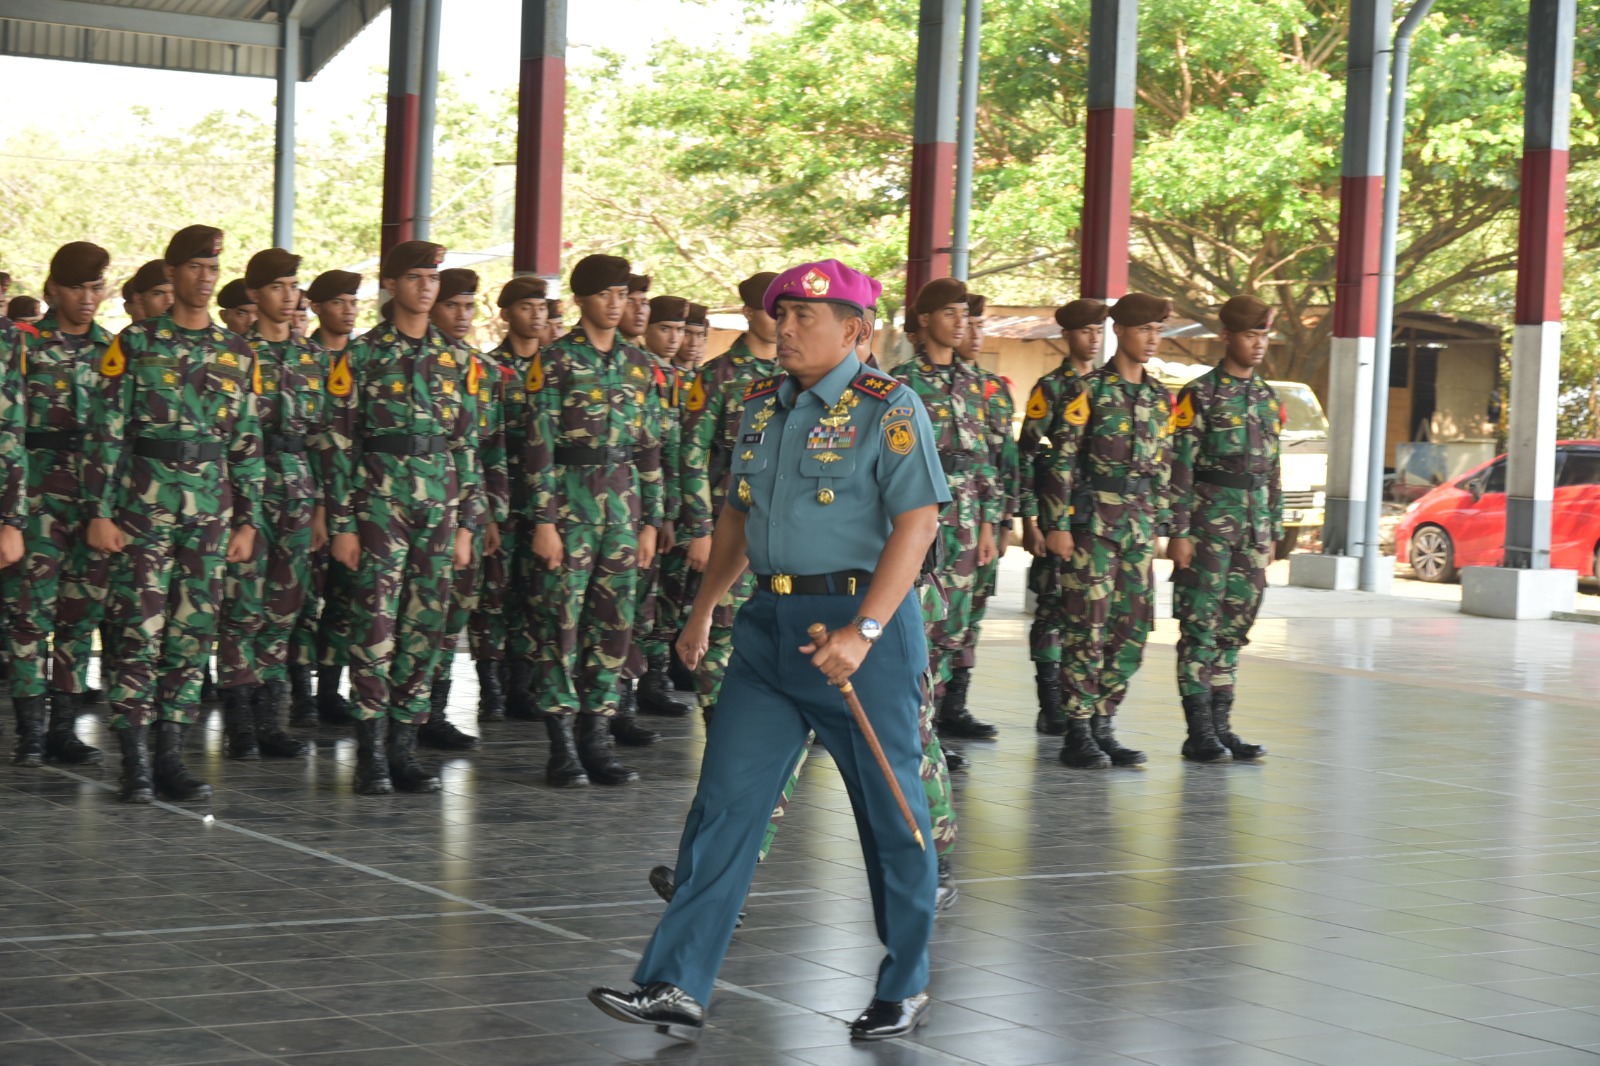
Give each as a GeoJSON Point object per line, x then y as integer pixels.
{"type": "Point", "coordinates": [10, 545]}
{"type": "Point", "coordinates": [986, 549]}
{"type": "Point", "coordinates": [647, 546]}
{"type": "Point", "coordinates": [319, 528]}
{"type": "Point", "coordinates": [1059, 543]}
{"type": "Point", "coordinates": [1032, 539]}
{"type": "Point", "coordinates": [1004, 543]}
{"type": "Point", "coordinates": [105, 536]}
{"type": "Point", "coordinates": [694, 641]}
{"type": "Point", "coordinates": [841, 656]}
{"type": "Point", "coordinates": [491, 539]}
{"type": "Point", "coordinates": [547, 545]}
{"type": "Point", "coordinates": [241, 544]}
{"type": "Point", "coordinates": [699, 554]}
{"type": "Point", "coordinates": [461, 557]}
{"type": "Point", "coordinates": [669, 535]}
{"type": "Point", "coordinates": [346, 551]}
{"type": "Point", "coordinates": [1181, 551]}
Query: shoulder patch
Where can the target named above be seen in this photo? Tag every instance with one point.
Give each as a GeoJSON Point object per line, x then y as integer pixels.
{"type": "Point", "coordinates": [763, 387]}
{"type": "Point", "coordinates": [1077, 413]}
{"type": "Point", "coordinates": [899, 437]}
{"type": "Point", "coordinates": [897, 412]}
{"type": "Point", "coordinates": [474, 373]}
{"type": "Point", "coordinates": [1038, 403]}
{"type": "Point", "coordinates": [875, 385]}
{"type": "Point", "coordinates": [113, 364]}
{"type": "Point", "coordinates": [1183, 410]}
{"type": "Point", "coordinates": [536, 373]}
{"type": "Point", "coordinates": [339, 381]}
{"type": "Point", "coordinates": [697, 394]}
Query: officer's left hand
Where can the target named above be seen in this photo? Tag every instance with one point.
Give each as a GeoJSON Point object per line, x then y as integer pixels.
{"type": "Point", "coordinates": [10, 545]}
{"type": "Point", "coordinates": [986, 548]}
{"type": "Point", "coordinates": [841, 656]}
{"type": "Point", "coordinates": [319, 528]}
{"type": "Point", "coordinates": [463, 553]}
{"type": "Point", "coordinates": [491, 539]}
{"type": "Point", "coordinates": [647, 547]}
{"type": "Point", "coordinates": [242, 544]}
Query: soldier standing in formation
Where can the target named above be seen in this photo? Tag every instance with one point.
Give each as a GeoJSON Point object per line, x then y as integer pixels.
{"type": "Point", "coordinates": [238, 312]}
{"type": "Point", "coordinates": [1227, 514]}
{"type": "Point", "coordinates": [148, 293]}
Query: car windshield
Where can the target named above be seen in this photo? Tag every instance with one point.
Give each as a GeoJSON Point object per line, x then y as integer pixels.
{"type": "Point", "coordinates": [1305, 414]}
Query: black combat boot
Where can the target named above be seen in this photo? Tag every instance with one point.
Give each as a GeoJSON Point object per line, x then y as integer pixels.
{"type": "Point", "coordinates": [954, 718]}
{"type": "Point", "coordinates": [599, 758]}
{"type": "Point", "coordinates": [405, 771]}
{"type": "Point", "coordinates": [947, 891]}
{"type": "Point", "coordinates": [655, 691]}
{"type": "Point", "coordinates": [437, 731]}
{"type": "Point", "coordinates": [61, 743]}
{"type": "Point", "coordinates": [332, 707]}
{"type": "Point", "coordinates": [564, 769]}
{"type": "Point", "coordinates": [30, 731]}
{"type": "Point", "coordinates": [89, 697]}
{"type": "Point", "coordinates": [302, 701]}
{"type": "Point", "coordinates": [519, 691]}
{"type": "Point", "coordinates": [491, 693]}
{"type": "Point", "coordinates": [208, 685]}
{"type": "Point", "coordinates": [137, 784]}
{"type": "Point", "coordinates": [1078, 748]}
{"type": "Point", "coordinates": [1100, 726]}
{"type": "Point", "coordinates": [239, 724]}
{"type": "Point", "coordinates": [625, 728]}
{"type": "Point", "coordinates": [681, 676]}
{"type": "Point", "coordinates": [172, 777]}
{"type": "Point", "coordinates": [1222, 724]}
{"type": "Point", "coordinates": [372, 758]}
{"type": "Point", "coordinates": [1052, 722]}
{"type": "Point", "coordinates": [954, 760]}
{"type": "Point", "coordinates": [267, 706]}
{"type": "Point", "coordinates": [1202, 744]}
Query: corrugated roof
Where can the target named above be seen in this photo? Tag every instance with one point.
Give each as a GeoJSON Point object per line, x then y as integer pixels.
{"type": "Point", "coordinates": [204, 36]}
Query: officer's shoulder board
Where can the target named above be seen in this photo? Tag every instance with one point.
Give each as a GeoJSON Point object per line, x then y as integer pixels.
{"type": "Point", "coordinates": [764, 387]}
{"type": "Point", "coordinates": [878, 386]}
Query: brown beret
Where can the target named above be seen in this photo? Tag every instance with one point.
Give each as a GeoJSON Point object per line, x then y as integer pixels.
{"type": "Point", "coordinates": [753, 290]}
{"type": "Point", "coordinates": [331, 283]}
{"type": "Point", "coordinates": [266, 267]}
{"type": "Point", "coordinates": [638, 283]}
{"type": "Point", "coordinates": [698, 315]}
{"type": "Point", "coordinates": [552, 308]}
{"type": "Point", "coordinates": [525, 288]}
{"type": "Point", "coordinates": [193, 242]}
{"type": "Point", "coordinates": [457, 281]}
{"type": "Point", "coordinates": [232, 295]}
{"type": "Point", "coordinates": [79, 263]}
{"type": "Point", "coordinates": [1140, 309]}
{"type": "Point", "coordinates": [976, 305]}
{"type": "Point", "coordinates": [22, 307]}
{"type": "Point", "coordinates": [410, 255]}
{"type": "Point", "coordinates": [1246, 312]}
{"type": "Point", "coordinates": [597, 273]}
{"type": "Point", "coordinates": [668, 309]}
{"type": "Point", "coordinates": [940, 292]}
{"type": "Point", "coordinates": [146, 278]}
{"type": "Point", "coordinates": [1081, 313]}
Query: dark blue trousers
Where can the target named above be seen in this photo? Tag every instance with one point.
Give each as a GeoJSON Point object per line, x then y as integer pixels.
{"type": "Point", "coordinates": [771, 696]}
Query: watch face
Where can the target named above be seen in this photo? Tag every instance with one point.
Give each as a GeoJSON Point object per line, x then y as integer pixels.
{"type": "Point", "coordinates": [870, 629]}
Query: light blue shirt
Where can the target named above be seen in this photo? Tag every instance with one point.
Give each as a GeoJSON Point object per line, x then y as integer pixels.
{"type": "Point", "coordinates": [823, 473]}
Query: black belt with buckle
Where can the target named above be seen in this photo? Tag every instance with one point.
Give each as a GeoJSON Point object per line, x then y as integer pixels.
{"type": "Point", "coordinates": [1127, 486]}
{"type": "Point", "coordinates": [60, 440]}
{"type": "Point", "coordinates": [572, 455]}
{"type": "Point", "coordinates": [843, 583]}
{"type": "Point", "coordinates": [284, 442]}
{"type": "Point", "coordinates": [1233, 481]}
{"type": "Point", "coordinates": [179, 451]}
{"type": "Point", "coordinates": [957, 462]}
{"type": "Point", "coordinates": [405, 444]}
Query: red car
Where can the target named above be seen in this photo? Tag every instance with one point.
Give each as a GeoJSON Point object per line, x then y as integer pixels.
{"type": "Point", "coordinates": [1463, 522]}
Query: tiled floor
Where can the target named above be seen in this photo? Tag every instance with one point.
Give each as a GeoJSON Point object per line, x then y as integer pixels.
{"type": "Point", "coordinates": [1412, 877]}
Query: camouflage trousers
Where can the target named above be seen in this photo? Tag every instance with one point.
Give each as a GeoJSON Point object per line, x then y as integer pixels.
{"type": "Point", "coordinates": [305, 645]}
{"type": "Point", "coordinates": [592, 597]}
{"type": "Point", "coordinates": [934, 772]}
{"type": "Point", "coordinates": [1049, 610]}
{"type": "Point", "coordinates": [401, 592]}
{"type": "Point", "coordinates": [647, 612]}
{"type": "Point", "coordinates": [719, 647]}
{"type": "Point", "coordinates": [948, 621]}
{"type": "Point", "coordinates": [488, 632]}
{"type": "Point", "coordinates": [262, 597]}
{"type": "Point", "coordinates": [469, 592]}
{"type": "Point", "coordinates": [1215, 601]}
{"type": "Point", "coordinates": [983, 589]}
{"type": "Point", "coordinates": [56, 597]}
{"type": "Point", "coordinates": [332, 629]}
{"type": "Point", "coordinates": [161, 609]}
{"type": "Point", "coordinates": [1107, 593]}
{"type": "Point", "coordinates": [671, 606]}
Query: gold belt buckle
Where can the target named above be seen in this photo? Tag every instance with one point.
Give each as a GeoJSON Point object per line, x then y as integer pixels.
{"type": "Point", "coordinates": [783, 584]}
{"type": "Point", "coordinates": [852, 582]}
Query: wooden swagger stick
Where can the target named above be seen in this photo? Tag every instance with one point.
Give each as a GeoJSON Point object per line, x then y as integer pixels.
{"type": "Point", "coordinates": [819, 636]}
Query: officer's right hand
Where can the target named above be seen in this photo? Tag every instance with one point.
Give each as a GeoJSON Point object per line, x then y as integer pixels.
{"type": "Point", "coordinates": [694, 641]}
{"type": "Point", "coordinates": [547, 545]}
{"type": "Point", "coordinates": [699, 554]}
{"type": "Point", "coordinates": [105, 536]}
{"type": "Point", "coordinates": [1032, 539]}
{"type": "Point", "coordinates": [1059, 543]}
{"type": "Point", "coordinates": [346, 550]}
{"type": "Point", "coordinates": [1181, 551]}
{"type": "Point", "coordinates": [10, 546]}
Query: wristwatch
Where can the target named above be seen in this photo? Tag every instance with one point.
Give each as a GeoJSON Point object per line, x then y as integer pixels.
{"type": "Point", "coordinates": [869, 628]}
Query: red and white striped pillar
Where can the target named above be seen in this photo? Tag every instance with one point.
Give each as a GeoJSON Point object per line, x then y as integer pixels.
{"type": "Point", "coordinates": [1108, 153]}
{"type": "Point", "coordinates": [541, 139]}
{"type": "Point", "coordinates": [933, 144]}
{"type": "Point", "coordinates": [406, 24]}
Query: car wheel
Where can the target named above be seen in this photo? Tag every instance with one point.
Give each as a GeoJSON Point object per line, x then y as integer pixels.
{"type": "Point", "coordinates": [1433, 557]}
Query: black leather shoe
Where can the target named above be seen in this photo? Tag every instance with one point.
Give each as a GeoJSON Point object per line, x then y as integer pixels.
{"type": "Point", "coordinates": [886, 1019]}
{"type": "Point", "coordinates": [947, 892]}
{"type": "Point", "coordinates": [667, 1007]}
{"type": "Point", "coordinates": [664, 880]}
{"type": "Point", "coordinates": [954, 761]}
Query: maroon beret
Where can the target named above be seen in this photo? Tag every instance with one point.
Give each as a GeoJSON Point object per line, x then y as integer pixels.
{"type": "Point", "coordinates": [1081, 313]}
{"type": "Point", "coordinates": [1246, 312]}
{"type": "Point", "coordinates": [79, 263]}
{"type": "Point", "coordinates": [331, 283]}
{"type": "Point", "coordinates": [410, 255]}
{"type": "Point", "coordinates": [146, 278]}
{"type": "Point", "coordinates": [698, 315]}
{"type": "Point", "coordinates": [194, 242]}
{"type": "Point", "coordinates": [597, 273]}
{"type": "Point", "coordinates": [638, 283]}
{"type": "Point", "coordinates": [524, 288]}
{"type": "Point", "coordinates": [22, 307]}
{"type": "Point", "coordinates": [233, 295]}
{"type": "Point", "coordinates": [668, 309]}
{"type": "Point", "coordinates": [457, 281]}
{"type": "Point", "coordinates": [940, 292]}
{"type": "Point", "coordinates": [266, 267]}
{"type": "Point", "coordinates": [1140, 309]}
{"type": "Point", "coordinates": [753, 290]}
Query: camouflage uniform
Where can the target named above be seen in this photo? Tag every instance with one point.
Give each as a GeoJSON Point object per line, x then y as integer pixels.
{"type": "Point", "coordinates": [1227, 498]}
{"type": "Point", "coordinates": [997, 395]}
{"type": "Point", "coordinates": [1043, 427]}
{"type": "Point", "coordinates": [512, 629]}
{"type": "Point", "coordinates": [1111, 455]}
{"type": "Point", "coordinates": [655, 625]}
{"type": "Point", "coordinates": [319, 638]}
{"type": "Point", "coordinates": [59, 589]}
{"type": "Point", "coordinates": [478, 591]}
{"type": "Point", "coordinates": [175, 459]}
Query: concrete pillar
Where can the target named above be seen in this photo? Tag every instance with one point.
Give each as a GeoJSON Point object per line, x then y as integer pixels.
{"type": "Point", "coordinates": [283, 138]}
{"type": "Point", "coordinates": [966, 147]}
{"type": "Point", "coordinates": [541, 139]}
{"type": "Point", "coordinates": [1108, 153]}
{"type": "Point", "coordinates": [400, 126]}
{"type": "Point", "coordinates": [427, 109]}
{"type": "Point", "coordinates": [933, 144]}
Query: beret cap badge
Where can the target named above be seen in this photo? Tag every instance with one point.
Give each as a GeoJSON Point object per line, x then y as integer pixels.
{"type": "Point", "coordinates": [816, 283]}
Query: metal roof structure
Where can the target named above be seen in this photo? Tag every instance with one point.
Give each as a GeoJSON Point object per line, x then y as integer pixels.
{"type": "Point", "coordinates": [240, 37]}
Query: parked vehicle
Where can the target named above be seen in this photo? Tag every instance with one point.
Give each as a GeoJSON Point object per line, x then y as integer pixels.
{"type": "Point", "coordinates": [1463, 522]}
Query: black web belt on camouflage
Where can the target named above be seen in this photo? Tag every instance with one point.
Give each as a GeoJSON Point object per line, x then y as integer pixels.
{"type": "Point", "coordinates": [1233, 481]}
{"type": "Point", "coordinates": [405, 444]}
{"type": "Point", "coordinates": [60, 440]}
{"type": "Point", "coordinates": [957, 462]}
{"type": "Point", "coordinates": [843, 583]}
{"type": "Point", "coordinates": [179, 451]}
{"type": "Point", "coordinates": [284, 442]}
{"type": "Point", "coordinates": [1127, 486]}
{"type": "Point", "coordinates": [571, 455]}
